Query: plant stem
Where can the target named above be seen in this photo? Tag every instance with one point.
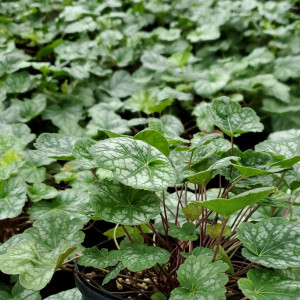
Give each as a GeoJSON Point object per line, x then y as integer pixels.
{"type": "Point", "coordinates": [232, 186]}
{"type": "Point", "coordinates": [224, 221]}
{"type": "Point", "coordinates": [85, 276]}
{"type": "Point", "coordinates": [286, 211]}
{"type": "Point", "coordinates": [115, 239]}
{"type": "Point", "coordinates": [127, 234]}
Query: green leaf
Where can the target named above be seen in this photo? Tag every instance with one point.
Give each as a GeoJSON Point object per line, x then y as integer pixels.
{"type": "Point", "coordinates": [113, 273]}
{"type": "Point", "coordinates": [134, 163]}
{"type": "Point", "coordinates": [192, 211]}
{"type": "Point", "coordinates": [82, 154]}
{"type": "Point", "coordinates": [205, 175]}
{"type": "Point", "coordinates": [56, 145]}
{"type": "Point", "coordinates": [73, 294]}
{"type": "Point", "coordinates": [67, 201]}
{"type": "Point", "coordinates": [61, 115]}
{"type": "Point", "coordinates": [10, 163]}
{"type": "Point", "coordinates": [287, 67]}
{"type": "Point", "coordinates": [84, 24]}
{"type": "Point", "coordinates": [215, 230]}
{"type": "Point", "coordinates": [120, 85]}
{"type": "Point", "coordinates": [179, 59]}
{"type": "Point", "coordinates": [194, 281]}
{"type": "Point", "coordinates": [208, 83]}
{"type": "Point", "coordinates": [103, 118]}
{"type": "Point", "coordinates": [253, 163]}
{"type": "Point", "coordinates": [281, 149]}
{"type": "Point", "coordinates": [18, 292]}
{"type": "Point", "coordinates": [155, 139]}
{"type": "Point", "coordinates": [263, 284]}
{"type": "Point", "coordinates": [226, 207]}
{"type": "Point", "coordinates": [12, 197]}
{"type": "Point", "coordinates": [93, 257]}
{"type": "Point", "coordinates": [154, 61]}
{"type": "Point", "coordinates": [10, 61]}
{"type": "Point", "coordinates": [35, 268]}
{"type": "Point", "coordinates": [158, 296]}
{"type": "Point", "coordinates": [206, 32]}
{"type": "Point", "coordinates": [259, 56]}
{"type": "Point", "coordinates": [273, 242]}
{"type": "Point", "coordinates": [30, 108]}
{"type": "Point", "coordinates": [55, 226]}
{"type": "Point", "coordinates": [21, 82]}
{"type": "Point", "coordinates": [64, 176]}
{"type": "Point", "coordinates": [202, 119]}
{"type": "Point", "coordinates": [39, 191]}
{"type": "Point", "coordinates": [232, 119]}
{"type": "Point", "coordinates": [123, 56]}
{"type": "Point", "coordinates": [138, 257]}
{"type": "Point", "coordinates": [185, 233]}
{"type": "Point", "coordinates": [114, 202]}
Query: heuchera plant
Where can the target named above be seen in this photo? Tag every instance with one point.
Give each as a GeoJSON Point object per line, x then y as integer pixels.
{"type": "Point", "coordinates": [181, 235]}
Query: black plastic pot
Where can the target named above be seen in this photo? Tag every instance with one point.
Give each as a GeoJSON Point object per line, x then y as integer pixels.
{"type": "Point", "coordinates": [88, 290]}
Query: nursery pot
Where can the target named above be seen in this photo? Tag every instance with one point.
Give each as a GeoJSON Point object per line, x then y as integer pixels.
{"type": "Point", "coordinates": [88, 290]}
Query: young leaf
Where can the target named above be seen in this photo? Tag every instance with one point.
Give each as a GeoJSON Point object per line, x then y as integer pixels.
{"type": "Point", "coordinates": [215, 230]}
{"type": "Point", "coordinates": [273, 242]}
{"type": "Point", "coordinates": [192, 211]}
{"type": "Point", "coordinates": [267, 285]}
{"type": "Point", "coordinates": [39, 191]}
{"type": "Point", "coordinates": [93, 257]}
{"type": "Point", "coordinates": [56, 145]}
{"type": "Point", "coordinates": [185, 233]}
{"type": "Point", "coordinates": [226, 207]}
{"type": "Point", "coordinates": [134, 163]}
{"type": "Point", "coordinates": [155, 139]}
{"type": "Point", "coordinates": [195, 282]}
{"type": "Point", "coordinates": [138, 257]}
{"type": "Point", "coordinates": [115, 202]}
{"type": "Point", "coordinates": [232, 119]}
{"type": "Point", "coordinates": [113, 273]}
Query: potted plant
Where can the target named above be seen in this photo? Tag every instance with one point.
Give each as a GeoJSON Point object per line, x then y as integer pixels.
{"type": "Point", "coordinates": [182, 211]}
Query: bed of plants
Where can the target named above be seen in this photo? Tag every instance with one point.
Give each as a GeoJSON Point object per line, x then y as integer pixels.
{"type": "Point", "coordinates": [171, 127]}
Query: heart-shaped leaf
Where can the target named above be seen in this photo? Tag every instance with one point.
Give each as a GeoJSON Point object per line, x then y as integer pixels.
{"type": "Point", "coordinates": [35, 268]}
{"type": "Point", "coordinates": [215, 230]}
{"type": "Point", "coordinates": [134, 163]}
{"type": "Point", "coordinates": [226, 207]}
{"type": "Point", "coordinates": [232, 119]}
{"type": "Point", "coordinates": [138, 257]}
{"type": "Point", "coordinates": [115, 202]}
{"type": "Point", "coordinates": [282, 149]}
{"type": "Point", "coordinates": [273, 242]}
{"type": "Point", "coordinates": [56, 145]}
{"type": "Point", "coordinates": [54, 227]}
{"type": "Point", "coordinates": [196, 283]}
{"type": "Point", "coordinates": [12, 197]}
{"type": "Point", "coordinates": [185, 233]}
{"type": "Point", "coordinates": [263, 284]}
{"type": "Point", "coordinates": [68, 201]}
